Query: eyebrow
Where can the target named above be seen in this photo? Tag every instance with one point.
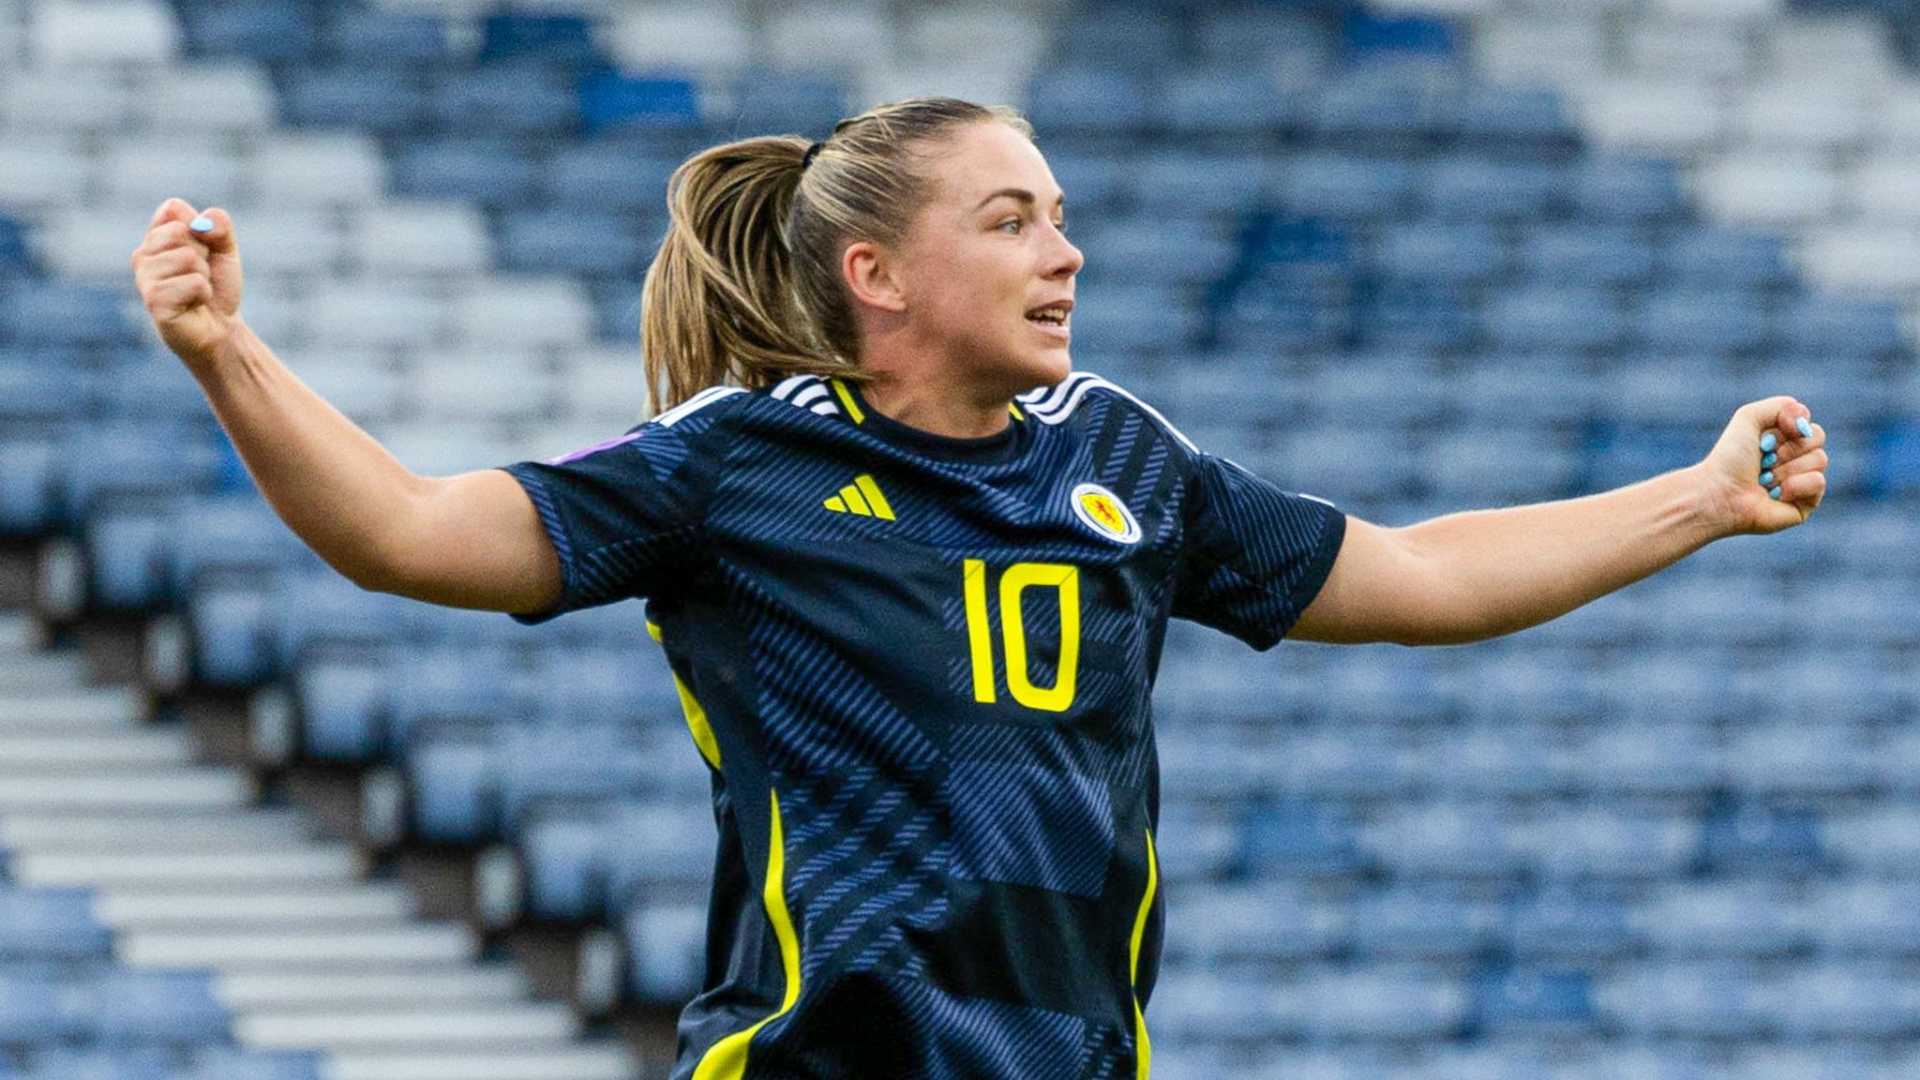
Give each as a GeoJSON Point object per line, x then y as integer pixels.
{"type": "Point", "coordinates": [1022, 194]}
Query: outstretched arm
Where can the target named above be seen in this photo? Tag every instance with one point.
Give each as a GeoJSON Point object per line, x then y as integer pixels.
{"type": "Point", "coordinates": [1472, 576]}
{"type": "Point", "coordinates": [472, 540]}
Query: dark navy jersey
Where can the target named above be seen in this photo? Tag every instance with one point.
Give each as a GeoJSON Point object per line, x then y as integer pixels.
{"type": "Point", "coordinates": [919, 669]}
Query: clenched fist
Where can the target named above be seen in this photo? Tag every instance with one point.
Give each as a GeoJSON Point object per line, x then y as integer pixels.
{"type": "Point", "coordinates": [1768, 472]}
{"type": "Point", "coordinates": [189, 280]}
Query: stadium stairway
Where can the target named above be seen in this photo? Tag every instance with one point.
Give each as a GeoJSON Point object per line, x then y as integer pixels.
{"type": "Point", "coordinates": [201, 870]}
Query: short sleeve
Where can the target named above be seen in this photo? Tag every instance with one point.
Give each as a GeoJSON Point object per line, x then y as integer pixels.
{"type": "Point", "coordinates": [1255, 556]}
{"type": "Point", "coordinates": [619, 514]}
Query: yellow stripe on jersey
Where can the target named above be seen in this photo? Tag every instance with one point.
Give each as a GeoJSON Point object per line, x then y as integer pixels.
{"type": "Point", "coordinates": [1015, 410]}
{"type": "Point", "coordinates": [695, 713]}
{"type": "Point", "coordinates": [836, 504]}
{"type": "Point", "coordinates": [727, 1059]}
{"type": "Point", "coordinates": [973, 581]}
{"type": "Point", "coordinates": [874, 499]}
{"type": "Point", "coordinates": [846, 398]}
{"type": "Point", "coordinates": [1143, 1050]}
{"type": "Point", "coordinates": [851, 495]}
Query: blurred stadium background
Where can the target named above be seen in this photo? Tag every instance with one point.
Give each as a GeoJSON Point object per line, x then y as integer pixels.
{"type": "Point", "coordinates": [258, 825]}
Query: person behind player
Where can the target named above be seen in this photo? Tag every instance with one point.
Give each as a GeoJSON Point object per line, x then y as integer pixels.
{"type": "Point", "coordinates": [913, 574]}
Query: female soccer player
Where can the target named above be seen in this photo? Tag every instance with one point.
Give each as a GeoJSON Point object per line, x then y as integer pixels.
{"type": "Point", "coordinates": [913, 577]}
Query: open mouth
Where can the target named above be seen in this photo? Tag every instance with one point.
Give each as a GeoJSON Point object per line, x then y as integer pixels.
{"type": "Point", "coordinates": [1054, 315]}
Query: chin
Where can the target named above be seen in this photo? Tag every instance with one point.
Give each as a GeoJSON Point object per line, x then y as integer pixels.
{"type": "Point", "coordinates": [1045, 370]}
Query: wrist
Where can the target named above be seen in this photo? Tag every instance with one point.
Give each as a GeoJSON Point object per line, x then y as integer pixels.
{"type": "Point", "coordinates": [1714, 513]}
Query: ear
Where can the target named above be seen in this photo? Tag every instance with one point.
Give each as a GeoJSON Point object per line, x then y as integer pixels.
{"type": "Point", "coordinates": [872, 276]}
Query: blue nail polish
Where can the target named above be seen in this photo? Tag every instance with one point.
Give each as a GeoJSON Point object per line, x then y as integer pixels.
{"type": "Point", "coordinates": [202, 223]}
{"type": "Point", "coordinates": [1768, 461]}
{"type": "Point", "coordinates": [1768, 442]}
{"type": "Point", "coordinates": [1806, 431]}
{"type": "Point", "coordinates": [1766, 479]}
{"type": "Point", "coordinates": [1775, 492]}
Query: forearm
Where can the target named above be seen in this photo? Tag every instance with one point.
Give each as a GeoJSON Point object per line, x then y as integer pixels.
{"type": "Point", "coordinates": [336, 487]}
{"type": "Point", "coordinates": [1500, 571]}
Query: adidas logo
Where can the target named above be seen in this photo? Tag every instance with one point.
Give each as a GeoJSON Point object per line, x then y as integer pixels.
{"type": "Point", "coordinates": [861, 497]}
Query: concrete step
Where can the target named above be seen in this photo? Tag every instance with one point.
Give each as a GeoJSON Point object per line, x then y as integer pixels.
{"type": "Point", "coordinates": [220, 829]}
{"type": "Point", "coordinates": [408, 985]}
{"type": "Point", "coordinates": [149, 790]}
{"type": "Point", "coordinates": [519, 1026]}
{"type": "Point", "coordinates": [416, 943]}
{"type": "Point", "coordinates": [17, 634]}
{"type": "Point", "coordinates": [102, 749]}
{"type": "Point", "coordinates": [285, 911]}
{"type": "Point", "coordinates": [591, 1062]}
{"type": "Point", "coordinates": [67, 709]}
{"type": "Point", "coordinates": [34, 671]}
{"type": "Point", "coordinates": [333, 864]}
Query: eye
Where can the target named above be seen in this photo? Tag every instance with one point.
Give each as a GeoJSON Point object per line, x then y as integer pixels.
{"type": "Point", "coordinates": [1011, 226]}
{"type": "Point", "coordinates": [1061, 225]}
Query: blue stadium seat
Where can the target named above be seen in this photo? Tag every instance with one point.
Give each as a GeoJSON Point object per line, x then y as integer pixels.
{"type": "Point", "coordinates": [1325, 185]}
{"type": "Point", "coordinates": [1227, 103]}
{"type": "Point", "coordinates": [253, 29]}
{"type": "Point", "coordinates": [63, 314]}
{"type": "Point", "coordinates": [1607, 188]}
{"type": "Point", "coordinates": [565, 875]}
{"type": "Point", "coordinates": [536, 765]}
{"type": "Point", "coordinates": [1570, 319]}
{"type": "Point", "coordinates": [1726, 258]}
{"type": "Point", "coordinates": [651, 847]}
{"type": "Point", "coordinates": [48, 392]}
{"type": "Point", "coordinates": [1297, 838]}
{"type": "Point", "coordinates": [1683, 1000]}
{"type": "Point", "coordinates": [50, 924]}
{"type": "Point", "coordinates": [1382, 115]}
{"type": "Point", "coordinates": [776, 102]}
{"type": "Point", "coordinates": [1510, 118]}
{"type": "Point", "coordinates": [1423, 923]}
{"type": "Point", "coordinates": [1125, 35]}
{"type": "Point", "coordinates": [1473, 189]}
{"type": "Point", "coordinates": [613, 102]}
{"type": "Point", "coordinates": [1838, 329]}
{"type": "Point", "coordinates": [1091, 101]}
{"type": "Point", "coordinates": [1588, 253]}
{"type": "Point", "coordinates": [509, 99]}
{"type": "Point", "coordinates": [1761, 838]}
{"type": "Point", "coordinates": [1445, 253]}
{"type": "Point", "coordinates": [372, 35]}
{"type": "Point", "coordinates": [454, 784]}
{"type": "Point", "coordinates": [155, 1006]}
{"type": "Point", "coordinates": [1417, 315]}
{"type": "Point", "coordinates": [1260, 923]}
{"type": "Point", "coordinates": [666, 947]}
{"type": "Point", "coordinates": [16, 258]}
{"type": "Point", "coordinates": [491, 171]}
{"type": "Point", "coordinates": [1560, 922]}
{"type": "Point", "coordinates": [1742, 918]}
{"type": "Point", "coordinates": [232, 1063]}
{"type": "Point", "coordinates": [227, 533]}
{"type": "Point", "coordinates": [1371, 36]}
{"type": "Point", "coordinates": [1719, 321]}
{"type": "Point", "coordinates": [340, 96]}
{"type": "Point", "coordinates": [1094, 184]}
{"type": "Point", "coordinates": [605, 176]}
{"type": "Point", "coordinates": [74, 1063]}
{"type": "Point", "coordinates": [1534, 1000]}
{"type": "Point", "coordinates": [578, 241]}
{"type": "Point", "coordinates": [122, 458]}
{"type": "Point", "coordinates": [1223, 184]}
{"type": "Point", "coordinates": [553, 38]}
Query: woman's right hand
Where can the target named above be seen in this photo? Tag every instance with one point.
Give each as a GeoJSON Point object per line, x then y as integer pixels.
{"type": "Point", "coordinates": [190, 282]}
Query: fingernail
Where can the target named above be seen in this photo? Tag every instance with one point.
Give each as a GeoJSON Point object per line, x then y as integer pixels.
{"type": "Point", "coordinates": [202, 223]}
{"type": "Point", "coordinates": [1768, 442]}
{"type": "Point", "coordinates": [1775, 492]}
{"type": "Point", "coordinates": [1766, 479]}
{"type": "Point", "coordinates": [1806, 430]}
{"type": "Point", "coordinates": [1768, 461]}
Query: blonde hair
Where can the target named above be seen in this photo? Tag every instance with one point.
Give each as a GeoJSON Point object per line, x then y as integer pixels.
{"type": "Point", "coordinates": [746, 287]}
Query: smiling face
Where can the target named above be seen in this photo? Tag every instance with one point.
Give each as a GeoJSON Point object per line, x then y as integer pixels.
{"type": "Point", "coordinates": [986, 270]}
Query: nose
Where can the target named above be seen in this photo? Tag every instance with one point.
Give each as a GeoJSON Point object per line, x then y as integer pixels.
{"type": "Point", "coordinates": [1064, 260]}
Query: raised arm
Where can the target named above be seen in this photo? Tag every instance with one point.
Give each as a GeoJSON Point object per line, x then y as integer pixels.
{"type": "Point", "coordinates": [472, 540]}
{"type": "Point", "coordinates": [1471, 576]}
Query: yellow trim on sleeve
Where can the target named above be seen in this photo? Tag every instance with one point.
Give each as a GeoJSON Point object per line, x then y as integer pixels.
{"type": "Point", "coordinates": [696, 714]}
{"type": "Point", "coordinates": [727, 1059]}
{"type": "Point", "coordinates": [846, 399]}
{"type": "Point", "coordinates": [875, 499]}
{"type": "Point", "coordinates": [1143, 1049]}
{"type": "Point", "coordinates": [1015, 410]}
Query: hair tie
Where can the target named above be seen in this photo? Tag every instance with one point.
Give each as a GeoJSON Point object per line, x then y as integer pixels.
{"type": "Point", "coordinates": [806, 159]}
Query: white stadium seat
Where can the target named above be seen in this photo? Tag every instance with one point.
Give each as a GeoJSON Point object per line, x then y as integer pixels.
{"type": "Point", "coordinates": [1718, 9]}
{"type": "Point", "coordinates": [1795, 116]}
{"type": "Point", "coordinates": [511, 311]}
{"type": "Point", "coordinates": [474, 386]}
{"type": "Point", "coordinates": [43, 172]}
{"type": "Point", "coordinates": [606, 388]}
{"type": "Point", "coordinates": [103, 31]}
{"type": "Point", "coordinates": [1002, 37]}
{"type": "Point", "coordinates": [1773, 190]}
{"type": "Point", "coordinates": [1703, 50]}
{"type": "Point", "coordinates": [44, 98]}
{"type": "Point", "coordinates": [284, 241]}
{"type": "Point", "coordinates": [149, 170]}
{"type": "Point", "coordinates": [366, 313]}
{"type": "Point", "coordinates": [678, 37]}
{"type": "Point", "coordinates": [814, 36]}
{"type": "Point", "coordinates": [318, 170]}
{"type": "Point", "coordinates": [400, 238]}
{"type": "Point", "coordinates": [93, 243]}
{"type": "Point", "coordinates": [1886, 189]}
{"type": "Point", "coordinates": [1867, 257]}
{"type": "Point", "coordinates": [1670, 116]}
{"type": "Point", "coordinates": [205, 98]}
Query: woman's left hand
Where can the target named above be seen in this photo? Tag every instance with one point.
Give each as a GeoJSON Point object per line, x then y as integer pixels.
{"type": "Point", "coordinates": [1768, 471]}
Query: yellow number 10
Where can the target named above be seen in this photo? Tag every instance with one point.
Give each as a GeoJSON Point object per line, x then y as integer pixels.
{"type": "Point", "coordinates": [1017, 579]}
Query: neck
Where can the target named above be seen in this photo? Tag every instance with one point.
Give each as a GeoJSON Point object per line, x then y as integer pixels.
{"type": "Point", "coordinates": [918, 384]}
